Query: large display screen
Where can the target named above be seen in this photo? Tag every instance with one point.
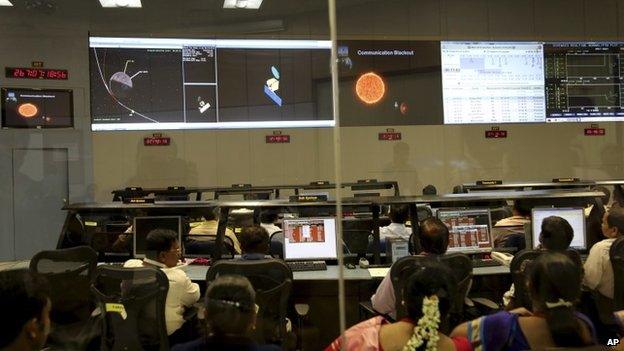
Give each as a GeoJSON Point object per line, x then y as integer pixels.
{"type": "Point", "coordinates": [37, 108]}
{"type": "Point", "coordinates": [492, 82]}
{"type": "Point", "coordinates": [156, 84]}
{"type": "Point", "coordinates": [584, 81]}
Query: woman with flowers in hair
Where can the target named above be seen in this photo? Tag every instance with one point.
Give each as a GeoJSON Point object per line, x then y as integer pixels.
{"type": "Point", "coordinates": [427, 299]}
{"type": "Point", "coordinates": [554, 283]}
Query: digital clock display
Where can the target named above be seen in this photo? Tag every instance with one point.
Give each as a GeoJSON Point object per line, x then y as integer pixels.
{"type": "Point", "coordinates": [36, 73]}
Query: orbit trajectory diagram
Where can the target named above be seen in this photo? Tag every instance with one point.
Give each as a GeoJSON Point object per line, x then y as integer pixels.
{"type": "Point", "coordinates": [120, 84]}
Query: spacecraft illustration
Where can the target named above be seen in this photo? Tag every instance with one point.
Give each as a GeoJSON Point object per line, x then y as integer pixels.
{"type": "Point", "coordinates": [272, 85]}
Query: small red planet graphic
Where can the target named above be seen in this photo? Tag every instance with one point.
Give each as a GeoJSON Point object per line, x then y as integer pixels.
{"type": "Point", "coordinates": [27, 110]}
{"type": "Point", "coordinates": [370, 88]}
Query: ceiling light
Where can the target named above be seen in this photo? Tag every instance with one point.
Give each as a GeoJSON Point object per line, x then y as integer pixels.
{"type": "Point", "coordinates": [5, 3]}
{"type": "Point", "coordinates": [242, 4]}
{"type": "Point", "coordinates": [120, 3]}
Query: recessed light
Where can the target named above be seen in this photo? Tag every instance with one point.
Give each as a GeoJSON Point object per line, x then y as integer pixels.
{"type": "Point", "coordinates": [5, 3]}
{"type": "Point", "coordinates": [121, 3]}
{"type": "Point", "coordinates": [242, 4]}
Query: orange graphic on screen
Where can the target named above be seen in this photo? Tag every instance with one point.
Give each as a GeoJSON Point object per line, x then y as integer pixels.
{"type": "Point", "coordinates": [370, 88]}
{"type": "Point", "coordinates": [313, 233]}
{"type": "Point", "coordinates": [27, 110]}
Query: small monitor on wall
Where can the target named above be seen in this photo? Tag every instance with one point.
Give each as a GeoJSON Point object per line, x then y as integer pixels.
{"type": "Point", "coordinates": [469, 229]}
{"type": "Point", "coordinates": [37, 108]}
{"type": "Point", "coordinates": [574, 216]}
{"type": "Point", "coordinates": [310, 239]}
{"type": "Point", "coordinates": [144, 225]}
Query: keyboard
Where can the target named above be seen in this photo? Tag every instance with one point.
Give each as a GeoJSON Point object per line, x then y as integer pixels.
{"type": "Point", "coordinates": [306, 266]}
{"type": "Point", "coordinates": [485, 263]}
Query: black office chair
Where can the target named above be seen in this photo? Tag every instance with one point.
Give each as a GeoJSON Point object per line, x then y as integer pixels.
{"type": "Point", "coordinates": [356, 241]}
{"type": "Point", "coordinates": [132, 302]}
{"type": "Point", "coordinates": [206, 246]}
{"type": "Point", "coordinates": [276, 245]}
{"type": "Point", "coordinates": [272, 281]}
{"type": "Point", "coordinates": [69, 273]}
{"type": "Point", "coordinates": [616, 254]}
{"type": "Point", "coordinates": [519, 267]}
{"type": "Point", "coordinates": [461, 267]}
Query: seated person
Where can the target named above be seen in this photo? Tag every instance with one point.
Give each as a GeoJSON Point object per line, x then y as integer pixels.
{"type": "Point", "coordinates": [427, 298]}
{"type": "Point", "coordinates": [398, 216]}
{"type": "Point", "coordinates": [26, 307]}
{"type": "Point", "coordinates": [556, 235]}
{"type": "Point", "coordinates": [434, 239]}
{"type": "Point", "coordinates": [268, 218]}
{"type": "Point", "coordinates": [598, 271]}
{"type": "Point", "coordinates": [208, 227]}
{"type": "Point", "coordinates": [509, 232]}
{"type": "Point", "coordinates": [230, 316]}
{"type": "Point", "coordinates": [554, 285]}
{"type": "Point", "coordinates": [254, 243]}
{"type": "Point", "coordinates": [162, 250]}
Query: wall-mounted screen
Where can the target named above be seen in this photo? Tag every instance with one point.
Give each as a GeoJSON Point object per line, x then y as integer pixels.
{"type": "Point", "coordinates": [157, 84]}
{"type": "Point", "coordinates": [492, 82]}
{"type": "Point", "coordinates": [37, 108]}
{"type": "Point", "coordinates": [584, 81]}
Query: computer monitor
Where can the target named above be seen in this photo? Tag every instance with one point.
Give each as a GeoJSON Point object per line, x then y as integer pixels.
{"type": "Point", "coordinates": [310, 239]}
{"type": "Point", "coordinates": [469, 229]}
{"type": "Point", "coordinates": [144, 225]}
{"type": "Point", "coordinates": [574, 216]}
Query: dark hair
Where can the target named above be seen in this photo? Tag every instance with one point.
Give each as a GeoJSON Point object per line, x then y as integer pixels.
{"type": "Point", "coordinates": [230, 303]}
{"type": "Point", "coordinates": [268, 216]}
{"type": "Point", "coordinates": [433, 278]}
{"type": "Point", "coordinates": [554, 277]}
{"type": "Point", "coordinates": [523, 207]}
{"type": "Point", "coordinates": [398, 213]}
{"type": "Point", "coordinates": [211, 214]}
{"type": "Point", "coordinates": [607, 194]}
{"type": "Point", "coordinates": [23, 296]}
{"type": "Point", "coordinates": [434, 236]}
{"type": "Point", "coordinates": [615, 218]}
{"type": "Point", "coordinates": [429, 190]}
{"type": "Point", "coordinates": [159, 240]}
{"type": "Point", "coordinates": [254, 239]}
{"type": "Point", "coordinates": [556, 234]}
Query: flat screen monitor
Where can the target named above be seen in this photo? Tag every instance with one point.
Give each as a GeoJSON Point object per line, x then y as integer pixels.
{"type": "Point", "coordinates": [310, 239]}
{"type": "Point", "coordinates": [37, 108]}
{"type": "Point", "coordinates": [160, 84]}
{"type": "Point", "coordinates": [492, 82]}
{"type": "Point", "coordinates": [574, 216]}
{"type": "Point", "coordinates": [144, 225]}
{"type": "Point", "coordinates": [469, 229]}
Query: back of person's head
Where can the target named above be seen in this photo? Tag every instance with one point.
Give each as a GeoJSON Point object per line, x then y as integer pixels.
{"type": "Point", "coordinates": [158, 241]}
{"type": "Point", "coordinates": [430, 190]}
{"type": "Point", "coordinates": [211, 214]}
{"type": "Point", "coordinates": [607, 194]}
{"type": "Point", "coordinates": [556, 234]}
{"type": "Point", "coordinates": [523, 207]}
{"type": "Point", "coordinates": [615, 219]}
{"type": "Point", "coordinates": [254, 239]}
{"type": "Point", "coordinates": [25, 305]}
{"type": "Point", "coordinates": [434, 236]}
{"type": "Point", "coordinates": [428, 291]}
{"type": "Point", "coordinates": [230, 306]}
{"type": "Point", "coordinates": [555, 286]}
{"type": "Point", "coordinates": [268, 216]}
{"type": "Point", "coordinates": [398, 213]}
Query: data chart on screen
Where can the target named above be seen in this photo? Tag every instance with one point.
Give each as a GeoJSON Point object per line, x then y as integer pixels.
{"type": "Point", "coordinates": [492, 82]}
{"type": "Point", "coordinates": [584, 81]}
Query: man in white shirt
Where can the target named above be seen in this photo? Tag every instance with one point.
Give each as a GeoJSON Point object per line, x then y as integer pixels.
{"type": "Point", "coordinates": [397, 229]}
{"type": "Point", "coordinates": [163, 251]}
{"type": "Point", "coordinates": [267, 221]}
{"type": "Point", "coordinates": [209, 226]}
{"type": "Point", "coordinates": [598, 270]}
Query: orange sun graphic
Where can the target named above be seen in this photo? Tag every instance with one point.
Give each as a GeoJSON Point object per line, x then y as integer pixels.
{"type": "Point", "coordinates": [27, 110]}
{"type": "Point", "coordinates": [370, 88]}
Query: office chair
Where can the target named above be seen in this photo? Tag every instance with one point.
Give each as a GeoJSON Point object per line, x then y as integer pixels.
{"type": "Point", "coordinates": [616, 254]}
{"type": "Point", "coordinates": [132, 302]}
{"type": "Point", "coordinates": [206, 246]}
{"type": "Point", "coordinates": [272, 281]}
{"type": "Point", "coordinates": [69, 273]}
{"type": "Point", "coordinates": [461, 267]}
{"type": "Point", "coordinates": [519, 267]}
{"type": "Point", "coordinates": [276, 245]}
{"type": "Point", "coordinates": [356, 241]}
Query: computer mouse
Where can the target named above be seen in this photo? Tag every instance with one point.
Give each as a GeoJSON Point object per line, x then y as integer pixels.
{"type": "Point", "coordinates": [350, 266]}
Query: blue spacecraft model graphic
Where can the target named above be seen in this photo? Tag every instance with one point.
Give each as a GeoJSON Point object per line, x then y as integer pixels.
{"type": "Point", "coordinates": [272, 85]}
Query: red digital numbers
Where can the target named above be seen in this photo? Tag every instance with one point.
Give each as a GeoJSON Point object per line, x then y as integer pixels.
{"type": "Point", "coordinates": [595, 131]}
{"type": "Point", "coordinates": [36, 73]}
{"type": "Point", "coordinates": [390, 136]}
{"type": "Point", "coordinates": [156, 141]}
{"type": "Point", "coordinates": [495, 134]}
{"type": "Point", "coordinates": [278, 139]}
